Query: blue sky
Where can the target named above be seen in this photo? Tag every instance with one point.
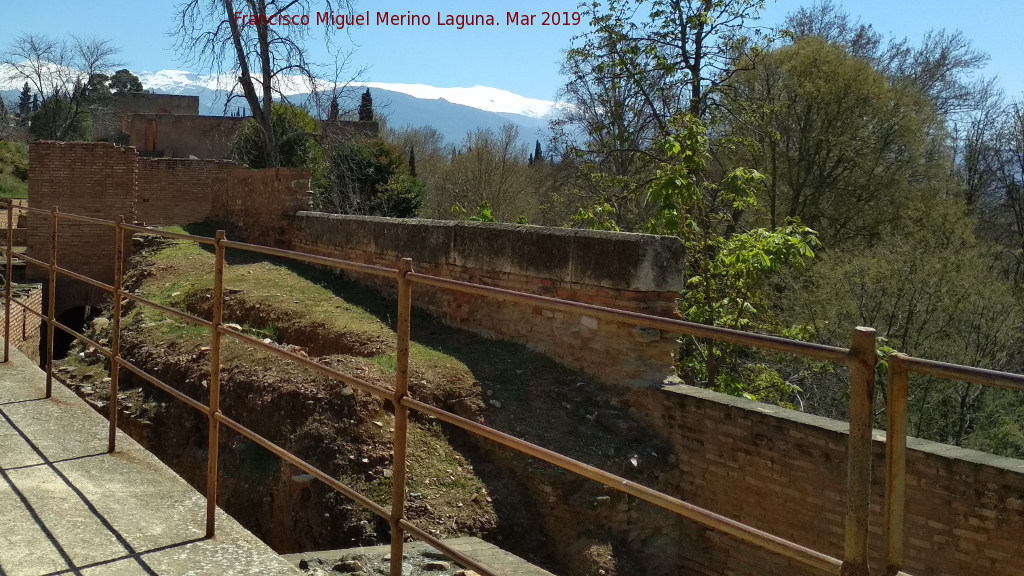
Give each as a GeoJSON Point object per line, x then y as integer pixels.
{"type": "Point", "coordinates": [523, 60]}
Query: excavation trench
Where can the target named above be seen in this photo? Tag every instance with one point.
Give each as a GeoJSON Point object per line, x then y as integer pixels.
{"type": "Point", "coordinates": [458, 484]}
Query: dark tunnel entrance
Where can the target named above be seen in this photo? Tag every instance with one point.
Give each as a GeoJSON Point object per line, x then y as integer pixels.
{"type": "Point", "coordinates": [76, 318]}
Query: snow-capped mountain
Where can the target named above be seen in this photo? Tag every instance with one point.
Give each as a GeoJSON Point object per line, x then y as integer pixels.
{"type": "Point", "coordinates": [480, 97]}
{"type": "Point", "coordinates": [451, 111]}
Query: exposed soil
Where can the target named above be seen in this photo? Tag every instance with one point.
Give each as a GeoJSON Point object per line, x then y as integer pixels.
{"type": "Point", "coordinates": [458, 484]}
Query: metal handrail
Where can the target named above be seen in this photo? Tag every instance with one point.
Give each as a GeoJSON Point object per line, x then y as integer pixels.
{"type": "Point", "coordinates": [860, 357]}
{"type": "Point", "coordinates": [763, 341]}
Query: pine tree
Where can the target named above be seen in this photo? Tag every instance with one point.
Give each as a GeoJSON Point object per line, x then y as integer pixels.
{"type": "Point", "coordinates": [412, 161]}
{"type": "Point", "coordinates": [366, 107]}
{"type": "Point", "coordinates": [537, 156]}
{"type": "Point", "coordinates": [25, 101]}
{"type": "Point", "coordinates": [332, 114]}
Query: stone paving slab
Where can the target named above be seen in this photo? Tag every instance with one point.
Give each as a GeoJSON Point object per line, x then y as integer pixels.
{"type": "Point", "coordinates": [498, 560]}
{"type": "Point", "coordinates": [68, 507]}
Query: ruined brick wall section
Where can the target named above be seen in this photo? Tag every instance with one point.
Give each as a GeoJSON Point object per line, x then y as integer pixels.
{"type": "Point", "coordinates": [785, 472]}
{"type": "Point", "coordinates": [176, 191]}
{"type": "Point", "coordinates": [630, 272]}
{"type": "Point", "coordinates": [84, 178]}
{"type": "Point", "coordinates": [259, 206]}
{"type": "Point", "coordinates": [177, 136]}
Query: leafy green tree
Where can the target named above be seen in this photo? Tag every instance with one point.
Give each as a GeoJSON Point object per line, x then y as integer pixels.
{"type": "Point", "coordinates": [929, 288]}
{"type": "Point", "coordinates": [60, 119]}
{"type": "Point", "coordinates": [297, 142]}
{"type": "Point", "coordinates": [729, 268]}
{"type": "Point", "coordinates": [297, 134]}
{"type": "Point", "coordinates": [836, 140]}
{"type": "Point", "coordinates": [96, 92]}
{"type": "Point", "coordinates": [640, 65]}
{"type": "Point", "coordinates": [124, 82]}
{"type": "Point", "coordinates": [370, 178]}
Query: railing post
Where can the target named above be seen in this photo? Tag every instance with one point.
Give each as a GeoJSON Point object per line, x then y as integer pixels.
{"type": "Point", "coordinates": [115, 334]}
{"type": "Point", "coordinates": [52, 293]}
{"type": "Point", "coordinates": [214, 444]}
{"type": "Point", "coordinates": [861, 361]}
{"type": "Point", "coordinates": [7, 288]}
{"type": "Point", "coordinates": [895, 462]}
{"type": "Point", "coordinates": [398, 465]}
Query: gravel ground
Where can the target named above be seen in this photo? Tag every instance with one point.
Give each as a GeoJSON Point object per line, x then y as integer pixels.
{"type": "Point", "coordinates": [417, 563]}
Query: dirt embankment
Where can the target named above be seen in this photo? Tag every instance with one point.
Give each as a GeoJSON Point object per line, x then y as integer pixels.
{"type": "Point", "coordinates": [457, 485]}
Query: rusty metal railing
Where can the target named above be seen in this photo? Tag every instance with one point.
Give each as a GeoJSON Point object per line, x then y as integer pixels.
{"type": "Point", "coordinates": [897, 395]}
{"type": "Point", "coordinates": [860, 357]}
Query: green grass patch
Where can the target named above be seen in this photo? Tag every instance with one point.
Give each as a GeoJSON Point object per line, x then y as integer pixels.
{"type": "Point", "coordinates": [11, 187]}
{"type": "Point", "coordinates": [13, 170]}
{"type": "Point", "coordinates": [389, 362]}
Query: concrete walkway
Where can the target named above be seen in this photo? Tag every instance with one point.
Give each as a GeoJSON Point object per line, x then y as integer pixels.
{"type": "Point", "coordinates": [498, 560]}
{"type": "Point", "coordinates": [68, 507]}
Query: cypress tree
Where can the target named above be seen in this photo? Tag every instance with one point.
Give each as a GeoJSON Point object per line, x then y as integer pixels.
{"type": "Point", "coordinates": [537, 157]}
{"type": "Point", "coordinates": [35, 102]}
{"type": "Point", "coordinates": [332, 114]}
{"type": "Point", "coordinates": [412, 161]}
{"type": "Point", "coordinates": [25, 101]}
{"type": "Point", "coordinates": [366, 107]}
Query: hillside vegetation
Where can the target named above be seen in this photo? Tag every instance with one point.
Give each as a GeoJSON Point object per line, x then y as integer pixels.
{"type": "Point", "coordinates": [13, 170]}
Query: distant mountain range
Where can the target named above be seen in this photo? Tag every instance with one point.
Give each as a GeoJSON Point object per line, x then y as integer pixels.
{"type": "Point", "coordinates": [451, 111]}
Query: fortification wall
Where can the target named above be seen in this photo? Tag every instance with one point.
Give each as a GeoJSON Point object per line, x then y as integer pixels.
{"type": "Point", "coordinates": [259, 206]}
{"type": "Point", "coordinates": [111, 123]}
{"type": "Point", "coordinates": [175, 136]}
{"type": "Point", "coordinates": [83, 178]}
{"type": "Point", "coordinates": [177, 191]}
{"type": "Point", "coordinates": [633, 272]}
{"type": "Point", "coordinates": [785, 472]}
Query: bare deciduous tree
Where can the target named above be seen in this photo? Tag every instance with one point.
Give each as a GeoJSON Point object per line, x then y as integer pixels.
{"type": "Point", "coordinates": [59, 71]}
{"type": "Point", "coordinates": [246, 38]}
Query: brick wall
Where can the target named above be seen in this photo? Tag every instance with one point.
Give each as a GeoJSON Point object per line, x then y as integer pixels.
{"type": "Point", "coordinates": [87, 179]}
{"type": "Point", "coordinates": [176, 191]}
{"type": "Point", "coordinates": [632, 272]}
{"type": "Point", "coordinates": [259, 206]}
{"type": "Point", "coordinates": [24, 326]}
{"type": "Point", "coordinates": [785, 472]}
{"type": "Point", "coordinates": [169, 135]}
{"type": "Point", "coordinates": [112, 122]}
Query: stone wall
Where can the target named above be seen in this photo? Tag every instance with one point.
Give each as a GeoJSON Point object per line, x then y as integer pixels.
{"type": "Point", "coordinates": [87, 179]}
{"type": "Point", "coordinates": [259, 206]}
{"type": "Point", "coordinates": [785, 472]}
{"type": "Point", "coordinates": [634, 272]}
{"type": "Point", "coordinates": [112, 122]}
{"type": "Point", "coordinates": [176, 191]}
{"type": "Point", "coordinates": [174, 136]}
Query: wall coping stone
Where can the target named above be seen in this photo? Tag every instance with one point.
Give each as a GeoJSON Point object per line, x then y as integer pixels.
{"type": "Point", "coordinates": [837, 426]}
{"type": "Point", "coordinates": [625, 261]}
